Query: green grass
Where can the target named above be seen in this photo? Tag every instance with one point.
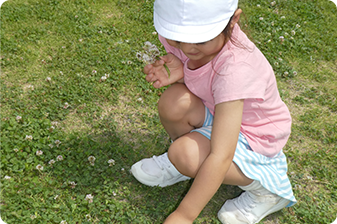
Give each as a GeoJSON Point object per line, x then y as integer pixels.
{"type": "Point", "coordinates": [75, 43]}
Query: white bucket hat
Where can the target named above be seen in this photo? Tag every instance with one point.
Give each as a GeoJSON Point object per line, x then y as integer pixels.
{"type": "Point", "coordinates": [192, 21]}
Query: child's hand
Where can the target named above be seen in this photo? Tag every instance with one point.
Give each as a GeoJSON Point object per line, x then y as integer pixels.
{"type": "Point", "coordinates": [157, 73]}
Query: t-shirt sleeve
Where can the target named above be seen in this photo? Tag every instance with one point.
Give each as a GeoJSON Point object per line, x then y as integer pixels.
{"type": "Point", "coordinates": [238, 82]}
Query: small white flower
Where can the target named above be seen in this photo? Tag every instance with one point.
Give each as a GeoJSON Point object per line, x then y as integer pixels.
{"type": "Point", "coordinates": [273, 3]}
{"type": "Point", "coordinates": [293, 32]}
{"type": "Point", "coordinates": [122, 169]}
{"type": "Point", "coordinates": [309, 177]}
{"type": "Point", "coordinates": [88, 217]}
{"type": "Point", "coordinates": [39, 152]}
{"type": "Point", "coordinates": [94, 72]}
{"type": "Point", "coordinates": [72, 184]}
{"type": "Point", "coordinates": [258, 5]}
{"type": "Point", "coordinates": [39, 167]}
{"type": "Point", "coordinates": [298, 25]}
{"type": "Point", "coordinates": [286, 74]}
{"type": "Point", "coordinates": [276, 63]}
{"type": "Point", "coordinates": [89, 198]}
{"type": "Point", "coordinates": [54, 123]}
{"type": "Point", "coordinates": [261, 18]}
{"type": "Point", "coordinates": [140, 99]}
{"type": "Point", "coordinates": [281, 37]}
{"type": "Point", "coordinates": [7, 177]}
{"type": "Point", "coordinates": [91, 159]}
{"type": "Point", "coordinates": [154, 33]}
{"type": "Point", "coordinates": [280, 59]}
{"type": "Point", "coordinates": [66, 105]}
{"type": "Point", "coordinates": [80, 40]}
{"type": "Point", "coordinates": [100, 31]}
{"type": "Point", "coordinates": [51, 162]}
{"type": "Point", "coordinates": [48, 79]}
{"type": "Point", "coordinates": [59, 158]}
{"type": "Point", "coordinates": [15, 150]}
{"type": "Point", "coordinates": [33, 216]}
{"type": "Point", "coordinates": [29, 137]}
{"type": "Point", "coordinates": [294, 73]}
{"type": "Point", "coordinates": [30, 87]}
{"type": "Point", "coordinates": [51, 128]}
{"type": "Point", "coordinates": [114, 193]}
{"type": "Point", "coordinates": [111, 162]}
{"type": "Point", "coordinates": [18, 118]}
{"type": "Point", "coordinates": [283, 17]}
{"type": "Point", "coordinates": [51, 145]}
{"type": "Point", "coordinates": [57, 143]}
{"type": "Point", "coordinates": [103, 78]}
{"type": "Point", "coordinates": [63, 222]}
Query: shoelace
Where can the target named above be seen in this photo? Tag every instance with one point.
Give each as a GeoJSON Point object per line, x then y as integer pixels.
{"type": "Point", "coordinates": [162, 161]}
{"type": "Point", "coordinates": [246, 202]}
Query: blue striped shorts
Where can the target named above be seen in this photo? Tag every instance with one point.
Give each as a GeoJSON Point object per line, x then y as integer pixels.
{"type": "Point", "coordinates": [270, 172]}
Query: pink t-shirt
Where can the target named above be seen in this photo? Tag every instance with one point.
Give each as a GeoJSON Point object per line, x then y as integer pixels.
{"type": "Point", "coordinates": [240, 71]}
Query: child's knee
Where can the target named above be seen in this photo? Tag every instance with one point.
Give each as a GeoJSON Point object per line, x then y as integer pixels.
{"type": "Point", "coordinates": [183, 159]}
{"type": "Point", "coordinates": [175, 102]}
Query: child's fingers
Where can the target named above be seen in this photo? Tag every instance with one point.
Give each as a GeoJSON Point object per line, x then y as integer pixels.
{"type": "Point", "coordinates": [147, 69]}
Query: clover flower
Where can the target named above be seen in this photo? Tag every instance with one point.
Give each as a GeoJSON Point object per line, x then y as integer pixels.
{"type": "Point", "coordinates": [57, 143]}
{"type": "Point", "coordinates": [29, 137]}
{"type": "Point", "coordinates": [91, 160]}
{"type": "Point", "coordinates": [54, 123]}
{"type": "Point", "coordinates": [39, 152]}
{"type": "Point", "coordinates": [59, 158]}
{"type": "Point", "coordinates": [111, 162]}
{"type": "Point", "coordinates": [39, 167]}
{"type": "Point", "coordinates": [7, 177]}
{"type": "Point", "coordinates": [88, 217]}
{"type": "Point", "coordinates": [51, 145]}
{"type": "Point", "coordinates": [48, 79]}
{"type": "Point", "coordinates": [51, 128]}
{"type": "Point", "coordinates": [89, 198]}
{"type": "Point", "coordinates": [281, 39]}
{"type": "Point", "coordinates": [51, 162]}
{"type": "Point", "coordinates": [33, 217]}
{"type": "Point", "coordinates": [293, 32]}
{"type": "Point", "coordinates": [66, 105]}
{"type": "Point", "coordinates": [298, 25]}
{"type": "Point", "coordinates": [63, 222]}
{"type": "Point", "coordinates": [72, 184]}
{"type": "Point", "coordinates": [18, 118]}
{"type": "Point", "coordinates": [273, 3]}
{"type": "Point", "coordinates": [150, 55]}
{"type": "Point", "coordinates": [15, 150]}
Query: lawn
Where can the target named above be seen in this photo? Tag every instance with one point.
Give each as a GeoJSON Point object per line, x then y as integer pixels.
{"type": "Point", "coordinates": [76, 111]}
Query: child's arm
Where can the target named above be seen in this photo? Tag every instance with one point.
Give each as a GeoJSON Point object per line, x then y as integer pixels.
{"type": "Point", "coordinates": [226, 128]}
{"type": "Point", "coordinates": [157, 73]}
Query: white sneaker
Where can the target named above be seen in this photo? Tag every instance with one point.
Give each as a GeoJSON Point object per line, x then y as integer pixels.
{"type": "Point", "coordinates": [251, 206]}
{"type": "Point", "coordinates": [157, 171]}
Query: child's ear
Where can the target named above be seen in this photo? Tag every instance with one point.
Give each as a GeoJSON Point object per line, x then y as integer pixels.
{"type": "Point", "coordinates": [236, 17]}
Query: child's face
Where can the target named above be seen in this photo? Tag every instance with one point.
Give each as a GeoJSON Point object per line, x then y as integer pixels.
{"type": "Point", "coordinates": [200, 53]}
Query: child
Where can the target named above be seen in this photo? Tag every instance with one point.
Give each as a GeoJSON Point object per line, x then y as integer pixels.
{"type": "Point", "coordinates": [224, 115]}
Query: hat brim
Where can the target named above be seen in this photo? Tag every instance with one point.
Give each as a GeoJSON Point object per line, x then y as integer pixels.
{"type": "Point", "coordinates": [188, 34]}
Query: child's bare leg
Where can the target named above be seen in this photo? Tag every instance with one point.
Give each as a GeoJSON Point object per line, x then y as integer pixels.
{"type": "Point", "coordinates": [180, 111]}
{"type": "Point", "coordinates": [188, 153]}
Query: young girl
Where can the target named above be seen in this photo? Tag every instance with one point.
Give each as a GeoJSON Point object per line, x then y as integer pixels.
{"type": "Point", "coordinates": [224, 114]}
